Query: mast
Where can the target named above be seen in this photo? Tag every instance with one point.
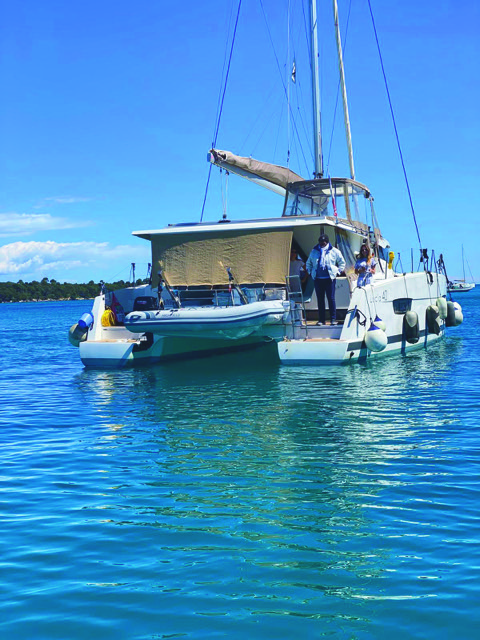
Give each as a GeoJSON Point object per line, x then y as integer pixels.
{"type": "Point", "coordinates": [317, 125]}
{"type": "Point", "coordinates": [344, 91]}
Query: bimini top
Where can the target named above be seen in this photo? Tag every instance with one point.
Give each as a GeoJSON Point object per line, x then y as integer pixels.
{"type": "Point", "coordinates": [338, 197]}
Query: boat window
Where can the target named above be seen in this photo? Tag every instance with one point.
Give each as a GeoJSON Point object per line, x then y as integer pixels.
{"type": "Point", "coordinates": [402, 305]}
{"type": "Point", "coordinates": [324, 198]}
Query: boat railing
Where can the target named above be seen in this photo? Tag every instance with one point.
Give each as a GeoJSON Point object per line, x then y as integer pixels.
{"type": "Point", "coordinates": [223, 295]}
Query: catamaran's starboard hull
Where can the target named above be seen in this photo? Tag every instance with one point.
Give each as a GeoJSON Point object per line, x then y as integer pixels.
{"type": "Point", "coordinates": [387, 299]}
{"type": "Point", "coordinates": [306, 352]}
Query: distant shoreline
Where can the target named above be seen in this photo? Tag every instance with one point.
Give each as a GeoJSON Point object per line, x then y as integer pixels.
{"type": "Point", "coordinates": [52, 291]}
{"type": "Point", "coordinates": [44, 300]}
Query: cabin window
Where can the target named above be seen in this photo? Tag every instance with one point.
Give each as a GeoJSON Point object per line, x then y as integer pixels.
{"type": "Point", "coordinates": [402, 305]}
{"type": "Point", "coordinates": [324, 197]}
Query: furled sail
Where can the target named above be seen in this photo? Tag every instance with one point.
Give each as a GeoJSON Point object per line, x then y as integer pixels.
{"type": "Point", "coordinates": [270, 176]}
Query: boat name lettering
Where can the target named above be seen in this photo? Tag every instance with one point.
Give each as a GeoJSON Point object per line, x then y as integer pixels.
{"type": "Point", "coordinates": [379, 296]}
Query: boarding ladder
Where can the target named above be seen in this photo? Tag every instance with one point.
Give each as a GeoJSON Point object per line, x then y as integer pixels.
{"type": "Point", "coordinates": [298, 313]}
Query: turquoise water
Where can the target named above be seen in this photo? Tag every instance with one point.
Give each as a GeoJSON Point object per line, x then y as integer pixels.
{"type": "Point", "coordinates": [233, 498]}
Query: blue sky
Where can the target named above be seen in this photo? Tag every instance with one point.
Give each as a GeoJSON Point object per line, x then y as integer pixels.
{"type": "Point", "coordinates": [108, 111]}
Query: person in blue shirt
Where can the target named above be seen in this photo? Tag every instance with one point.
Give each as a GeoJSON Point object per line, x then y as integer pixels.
{"type": "Point", "coordinates": [324, 264]}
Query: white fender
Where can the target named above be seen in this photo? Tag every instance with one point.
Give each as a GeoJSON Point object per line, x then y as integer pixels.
{"type": "Point", "coordinates": [375, 339]}
{"type": "Point", "coordinates": [458, 314]}
{"type": "Point", "coordinates": [432, 319]}
{"type": "Point", "coordinates": [451, 310]}
{"type": "Point", "coordinates": [378, 322]}
{"type": "Point", "coordinates": [441, 304]}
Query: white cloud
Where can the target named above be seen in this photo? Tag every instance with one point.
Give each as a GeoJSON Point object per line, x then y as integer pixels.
{"type": "Point", "coordinates": [67, 199]}
{"type": "Point", "coordinates": [34, 259]}
{"type": "Point", "coordinates": [25, 224]}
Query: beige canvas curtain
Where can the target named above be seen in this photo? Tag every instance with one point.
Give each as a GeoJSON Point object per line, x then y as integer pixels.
{"type": "Point", "coordinates": [200, 259]}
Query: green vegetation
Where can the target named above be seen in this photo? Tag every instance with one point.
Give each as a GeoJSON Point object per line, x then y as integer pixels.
{"type": "Point", "coordinates": [52, 290]}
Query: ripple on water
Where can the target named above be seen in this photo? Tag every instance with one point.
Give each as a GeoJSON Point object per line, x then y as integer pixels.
{"type": "Point", "coordinates": [232, 497]}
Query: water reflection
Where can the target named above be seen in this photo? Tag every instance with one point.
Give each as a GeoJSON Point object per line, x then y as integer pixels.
{"type": "Point", "coordinates": [239, 498]}
{"type": "Point", "coordinates": [289, 472]}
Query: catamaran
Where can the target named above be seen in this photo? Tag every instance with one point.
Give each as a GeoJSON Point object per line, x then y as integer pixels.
{"type": "Point", "coordinates": [223, 286]}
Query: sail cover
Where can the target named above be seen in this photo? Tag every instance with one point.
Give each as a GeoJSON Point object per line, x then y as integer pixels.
{"type": "Point", "coordinates": [201, 260]}
{"type": "Point", "coordinates": [271, 176]}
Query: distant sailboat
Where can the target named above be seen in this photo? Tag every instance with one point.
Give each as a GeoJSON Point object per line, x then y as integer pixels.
{"type": "Point", "coordinates": [461, 286]}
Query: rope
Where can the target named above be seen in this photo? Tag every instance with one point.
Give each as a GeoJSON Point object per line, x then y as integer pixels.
{"type": "Point", "coordinates": [283, 84]}
{"type": "Point", "coordinates": [338, 89]}
{"type": "Point", "coordinates": [220, 110]}
{"type": "Point", "coordinates": [226, 77]}
{"type": "Point", "coordinates": [288, 84]}
{"type": "Point", "coordinates": [224, 193]}
{"type": "Point", "coordinates": [471, 274]}
{"type": "Point", "coordinates": [434, 264]}
{"type": "Point", "coordinates": [443, 268]}
{"type": "Point", "coordinates": [395, 125]}
{"type": "Point", "coordinates": [224, 64]}
{"type": "Point", "coordinates": [368, 304]}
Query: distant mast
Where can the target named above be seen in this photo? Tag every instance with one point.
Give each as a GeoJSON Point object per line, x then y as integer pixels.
{"type": "Point", "coordinates": [317, 125]}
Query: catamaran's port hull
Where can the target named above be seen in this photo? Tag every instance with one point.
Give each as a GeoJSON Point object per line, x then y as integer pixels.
{"type": "Point", "coordinates": [117, 354]}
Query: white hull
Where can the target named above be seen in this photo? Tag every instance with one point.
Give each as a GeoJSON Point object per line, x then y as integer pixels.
{"type": "Point", "coordinates": [345, 344]}
{"type": "Point", "coordinates": [117, 347]}
{"type": "Point", "coordinates": [123, 352]}
{"type": "Point", "coordinates": [461, 287]}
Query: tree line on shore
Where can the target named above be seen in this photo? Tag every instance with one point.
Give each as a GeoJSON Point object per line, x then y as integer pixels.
{"type": "Point", "coordinates": [52, 290]}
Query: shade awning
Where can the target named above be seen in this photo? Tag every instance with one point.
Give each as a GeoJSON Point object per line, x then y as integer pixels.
{"type": "Point", "coordinates": [253, 256]}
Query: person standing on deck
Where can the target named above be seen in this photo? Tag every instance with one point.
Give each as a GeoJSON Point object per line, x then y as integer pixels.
{"type": "Point", "coordinates": [297, 266]}
{"type": "Point", "coordinates": [365, 266]}
{"type": "Point", "coordinates": [324, 264]}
